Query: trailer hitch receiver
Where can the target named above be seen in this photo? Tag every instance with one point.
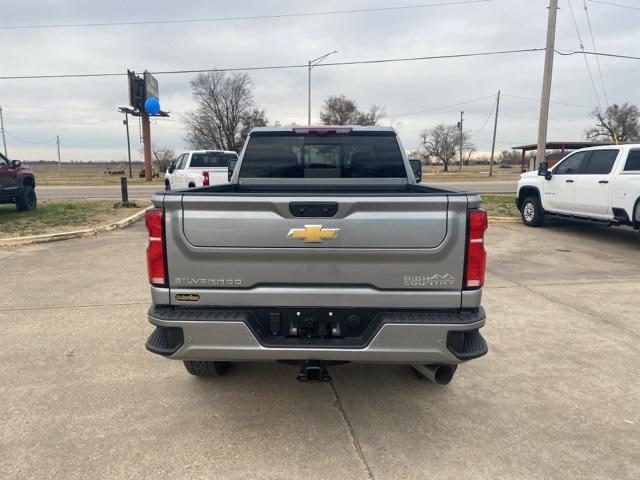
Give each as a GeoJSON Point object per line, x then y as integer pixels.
{"type": "Point", "coordinates": [314, 371]}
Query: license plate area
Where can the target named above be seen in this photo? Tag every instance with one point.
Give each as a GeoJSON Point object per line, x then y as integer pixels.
{"type": "Point", "coordinates": [314, 326]}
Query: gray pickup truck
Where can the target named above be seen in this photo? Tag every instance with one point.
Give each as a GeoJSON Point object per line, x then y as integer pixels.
{"type": "Point", "coordinates": [322, 250]}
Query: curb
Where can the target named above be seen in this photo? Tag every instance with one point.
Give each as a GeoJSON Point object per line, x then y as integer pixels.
{"type": "Point", "coordinates": [89, 232]}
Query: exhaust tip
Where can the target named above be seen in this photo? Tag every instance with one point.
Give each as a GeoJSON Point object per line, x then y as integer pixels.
{"type": "Point", "coordinates": [443, 374]}
{"type": "Point", "coordinates": [438, 374]}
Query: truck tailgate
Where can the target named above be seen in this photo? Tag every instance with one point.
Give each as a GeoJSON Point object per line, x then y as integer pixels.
{"type": "Point", "coordinates": [394, 242]}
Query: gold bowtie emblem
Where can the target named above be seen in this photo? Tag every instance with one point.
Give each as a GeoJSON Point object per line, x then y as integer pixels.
{"type": "Point", "coordinates": [313, 233]}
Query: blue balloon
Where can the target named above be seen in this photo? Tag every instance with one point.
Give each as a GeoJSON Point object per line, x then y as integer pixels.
{"type": "Point", "coordinates": [152, 106]}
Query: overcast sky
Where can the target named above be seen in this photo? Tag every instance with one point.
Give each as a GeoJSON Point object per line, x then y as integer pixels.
{"type": "Point", "coordinates": [84, 111]}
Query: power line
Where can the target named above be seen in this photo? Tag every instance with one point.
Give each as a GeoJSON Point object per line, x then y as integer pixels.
{"type": "Point", "coordinates": [486, 121]}
{"type": "Point", "coordinates": [615, 4]}
{"type": "Point", "coordinates": [441, 107]}
{"type": "Point", "coordinates": [243, 18]}
{"type": "Point", "coordinates": [593, 42]}
{"type": "Point", "coordinates": [29, 141]}
{"type": "Point", "coordinates": [275, 67]}
{"type": "Point", "coordinates": [538, 101]}
{"type": "Point", "coordinates": [586, 61]}
{"type": "Point", "coordinates": [600, 54]}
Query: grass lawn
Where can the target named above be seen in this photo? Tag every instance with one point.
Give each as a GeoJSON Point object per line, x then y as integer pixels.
{"type": "Point", "coordinates": [61, 215]}
{"type": "Point", "coordinates": [500, 205]}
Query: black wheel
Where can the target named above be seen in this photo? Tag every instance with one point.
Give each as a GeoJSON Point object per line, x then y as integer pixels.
{"type": "Point", "coordinates": [532, 212]}
{"type": "Point", "coordinates": [27, 199]}
{"type": "Point", "coordinates": [636, 215]}
{"type": "Point", "coordinates": [206, 369]}
{"type": "Point", "coordinates": [167, 185]}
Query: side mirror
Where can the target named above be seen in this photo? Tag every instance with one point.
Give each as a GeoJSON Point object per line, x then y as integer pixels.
{"type": "Point", "coordinates": [543, 170]}
{"type": "Point", "coordinates": [172, 167]}
{"type": "Point", "coordinates": [16, 163]}
{"type": "Point", "coordinates": [231, 167]}
{"type": "Point", "coordinates": [416, 167]}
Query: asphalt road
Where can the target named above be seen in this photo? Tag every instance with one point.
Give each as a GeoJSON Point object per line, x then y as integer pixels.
{"type": "Point", "coordinates": [143, 191]}
{"type": "Point", "coordinates": [556, 397]}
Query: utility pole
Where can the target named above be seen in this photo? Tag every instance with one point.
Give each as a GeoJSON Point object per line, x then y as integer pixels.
{"type": "Point", "coordinates": [461, 134]}
{"type": "Point", "coordinates": [146, 142]}
{"type": "Point", "coordinates": [4, 140]}
{"type": "Point", "coordinates": [546, 83]}
{"type": "Point", "coordinates": [126, 123]}
{"type": "Point", "coordinates": [495, 129]}
{"type": "Point", "coordinates": [58, 144]}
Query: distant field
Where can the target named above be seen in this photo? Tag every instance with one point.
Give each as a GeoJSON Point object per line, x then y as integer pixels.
{"type": "Point", "coordinates": [94, 174]}
{"type": "Point", "coordinates": [84, 174]}
{"type": "Point", "coordinates": [470, 173]}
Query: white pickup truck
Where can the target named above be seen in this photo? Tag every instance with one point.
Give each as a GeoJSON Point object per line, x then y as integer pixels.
{"type": "Point", "coordinates": [596, 184]}
{"type": "Point", "coordinates": [199, 168]}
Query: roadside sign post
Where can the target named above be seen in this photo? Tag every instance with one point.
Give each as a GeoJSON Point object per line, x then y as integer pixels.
{"type": "Point", "coordinates": [124, 193]}
{"type": "Point", "coordinates": [146, 145]}
{"type": "Point", "coordinates": [143, 98]}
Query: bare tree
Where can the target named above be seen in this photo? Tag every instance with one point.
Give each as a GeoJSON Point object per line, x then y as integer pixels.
{"type": "Point", "coordinates": [621, 121]}
{"type": "Point", "coordinates": [340, 110]}
{"type": "Point", "coordinates": [225, 112]}
{"type": "Point", "coordinates": [163, 157]}
{"type": "Point", "coordinates": [443, 142]}
{"type": "Point", "coordinates": [509, 157]}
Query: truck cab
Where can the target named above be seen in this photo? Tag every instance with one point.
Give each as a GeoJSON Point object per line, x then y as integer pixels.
{"type": "Point", "coordinates": [597, 184]}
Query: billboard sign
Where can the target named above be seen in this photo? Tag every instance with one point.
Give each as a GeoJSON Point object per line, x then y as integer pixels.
{"type": "Point", "coordinates": [151, 86]}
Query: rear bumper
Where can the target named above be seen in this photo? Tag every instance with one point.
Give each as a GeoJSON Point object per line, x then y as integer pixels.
{"type": "Point", "coordinates": [226, 335]}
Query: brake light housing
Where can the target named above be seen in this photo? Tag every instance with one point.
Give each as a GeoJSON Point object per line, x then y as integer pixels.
{"type": "Point", "coordinates": [154, 221]}
{"type": "Point", "coordinates": [476, 260]}
{"type": "Point", "coordinates": [205, 178]}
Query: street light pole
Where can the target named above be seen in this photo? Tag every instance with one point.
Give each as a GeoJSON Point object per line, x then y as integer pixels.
{"type": "Point", "coordinates": [313, 63]}
{"type": "Point", "coordinates": [308, 97]}
{"type": "Point", "coordinates": [461, 139]}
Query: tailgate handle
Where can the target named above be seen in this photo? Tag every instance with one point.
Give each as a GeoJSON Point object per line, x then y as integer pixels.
{"type": "Point", "coordinates": [313, 209]}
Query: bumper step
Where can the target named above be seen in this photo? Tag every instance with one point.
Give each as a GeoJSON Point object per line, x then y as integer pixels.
{"type": "Point", "coordinates": [165, 341]}
{"type": "Point", "coordinates": [467, 345]}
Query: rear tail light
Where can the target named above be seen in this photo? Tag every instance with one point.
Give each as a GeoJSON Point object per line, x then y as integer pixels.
{"type": "Point", "coordinates": [476, 255]}
{"type": "Point", "coordinates": [154, 221]}
{"type": "Point", "coordinates": [205, 178]}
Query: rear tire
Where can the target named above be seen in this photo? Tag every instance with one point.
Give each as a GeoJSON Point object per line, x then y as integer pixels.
{"type": "Point", "coordinates": [167, 185]}
{"type": "Point", "coordinates": [531, 212]}
{"type": "Point", "coordinates": [206, 369]}
{"type": "Point", "coordinates": [27, 199]}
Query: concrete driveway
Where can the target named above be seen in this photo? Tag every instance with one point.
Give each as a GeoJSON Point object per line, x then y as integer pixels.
{"type": "Point", "coordinates": [557, 397]}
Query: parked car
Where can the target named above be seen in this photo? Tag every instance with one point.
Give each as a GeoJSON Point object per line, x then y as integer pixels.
{"type": "Point", "coordinates": [199, 168]}
{"type": "Point", "coordinates": [596, 184]}
{"type": "Point", "coordinates": [17, 184]}
{"type": "Point", "coordinates": [322, 250]}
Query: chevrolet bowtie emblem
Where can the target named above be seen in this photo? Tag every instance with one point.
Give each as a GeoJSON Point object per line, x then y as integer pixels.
{"type": "Point", "coordinates": [313, 233]}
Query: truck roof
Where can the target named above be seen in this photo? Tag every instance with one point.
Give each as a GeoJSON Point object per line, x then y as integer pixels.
{"type": "Point", "coordinates": [210, 151]}
{"type": "Point", "coordinates": [291, 128]}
